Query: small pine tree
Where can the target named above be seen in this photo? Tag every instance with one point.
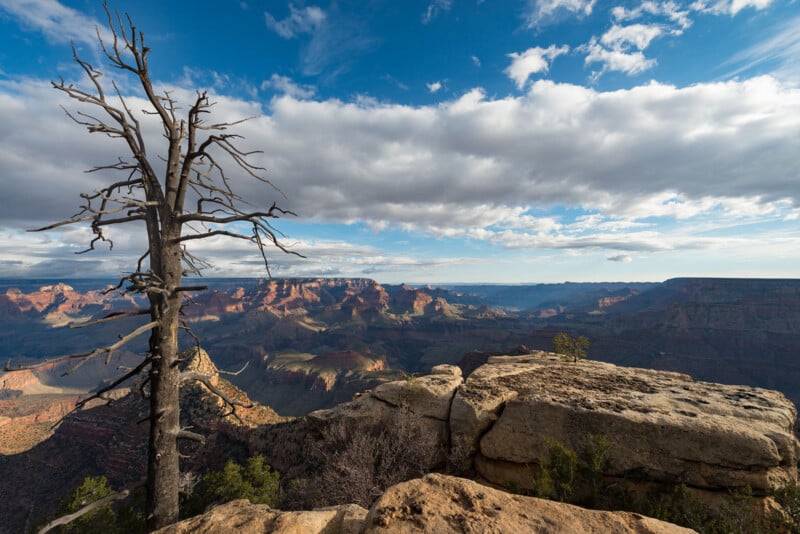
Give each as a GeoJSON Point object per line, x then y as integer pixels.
{"type": "Point", "coordinates": [571, 347]}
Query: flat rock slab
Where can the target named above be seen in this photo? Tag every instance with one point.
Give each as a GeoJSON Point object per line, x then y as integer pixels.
{"type": "Point", "coordinates": [662, 426]}
{"type": "Point", "coordinates": [445, 504]}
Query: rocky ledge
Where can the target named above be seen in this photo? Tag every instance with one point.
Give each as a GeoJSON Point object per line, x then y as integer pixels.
{"type": "Point", "coordinates": [662, 428]}
{"type": "Point", "coordinates": [434, 503]}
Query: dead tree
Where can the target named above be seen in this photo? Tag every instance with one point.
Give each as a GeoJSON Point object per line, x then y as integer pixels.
{"type": "Point", "coordinates": [194, 199]}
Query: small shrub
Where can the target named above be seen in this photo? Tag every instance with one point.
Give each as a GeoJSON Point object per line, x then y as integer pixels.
{"type": "Point", "coordinates": [594, 463]}
{"type": "Point", "coordinates": [556, 474]}
{"type": "Point", "coordinates": [356, 463]}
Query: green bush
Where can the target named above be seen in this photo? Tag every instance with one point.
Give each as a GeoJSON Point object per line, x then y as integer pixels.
{"type": "Point", "coordinates": [555, 478]}
{"type": "Point", "coordinates": [125, 518]}
{"type": "Point", "coordinates": [254, 481]}
{"type": "Point", "coordinates": [789, 499]}
{"type": "Point", "coordinates": [594, 463]}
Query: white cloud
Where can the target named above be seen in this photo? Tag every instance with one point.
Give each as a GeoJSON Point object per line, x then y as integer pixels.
{"type": "Point", "coordinates": [285, 85]}
{"type": "Point", "coordinates": [630, 63]}
{"type": "Point", "coordinates": [729, 7]}
{"type": "Point", "coordinates": [303, 20]}
{"type": "Point", "coordinates": [637, 36]}
{"type": "Point", "coordinates": [476, 61]}
{"type": "Point", "coordinates": [488, 169]}
{"type": "Point", "coordinates": [434, 87]}
{"type": "Point", "coordinates": [532, 61]}
{"type": "Point", "coordinates": [547, 11]}
{"type": "Point", "coordinates": [620, 48]}
{"type": "Point", "coordinates": [672, 11]}
{"type": "Point", "coordinates": [436, 8]}
{"type": "Point", "coordinates": [58, 23]}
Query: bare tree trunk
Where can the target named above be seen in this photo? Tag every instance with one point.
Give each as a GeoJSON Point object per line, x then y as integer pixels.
{"type": "Point", "coordinates": [163, 470]}
{"type": "Point", "coordinates": [160, 202]}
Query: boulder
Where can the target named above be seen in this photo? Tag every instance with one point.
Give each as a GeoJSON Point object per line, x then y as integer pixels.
{"type": "Point", "coordinates": [429, 395]}
{"type": "Point", "coordinates": [445, 504]}
{"type": "Point", "coordinates": [242, 517]}
{"type": "Point", "coordinates": [424, 401]}
{"type": "Point", "coordinates": [661, 426]}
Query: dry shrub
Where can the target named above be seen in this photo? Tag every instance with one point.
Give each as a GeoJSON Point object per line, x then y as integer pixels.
{"type": "Point", "coordinates": [355, 463]}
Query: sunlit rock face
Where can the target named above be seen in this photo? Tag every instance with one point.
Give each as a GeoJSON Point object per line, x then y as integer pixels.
{"type": "Point", "coordinates": [661, 427]}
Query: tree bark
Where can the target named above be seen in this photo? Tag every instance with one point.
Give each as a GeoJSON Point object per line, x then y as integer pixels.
{"type": "Point", "coordinates": [163, 470]}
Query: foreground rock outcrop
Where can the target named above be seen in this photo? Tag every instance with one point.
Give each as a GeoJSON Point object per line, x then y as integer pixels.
{"type": "Point", "coordinates": [445, 504]}
{"type": "Point", "coordinates": [662, 428]}
{"type": "Point", "coordinates": [242, 517]}
{"type": "Point", "coordinates": [434, 503]}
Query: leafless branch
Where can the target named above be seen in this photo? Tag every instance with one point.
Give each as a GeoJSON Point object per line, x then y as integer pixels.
{"type": "Point", "coordinates": [188, 376]}
{"type": "Point", "coordinates": [192, 436]}
{"type": "Point", "coordinates": [234, 373]}
{"type": "Point", "coordinates": [63, 520]}
{"type": "Point", "coordinates": [83, 357]}
{"type": "Point", "coordinates": [114, 316]}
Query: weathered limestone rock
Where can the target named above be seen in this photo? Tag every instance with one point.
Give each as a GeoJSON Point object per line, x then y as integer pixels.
{"type": "Point", "coordinates": [428, 395]}
{"type": "Point", "coordinates": [242, 517]}
{"type": "Point", "coordinates": [662, 426]}
{"type": "Point", "coordinates": [444, 504]}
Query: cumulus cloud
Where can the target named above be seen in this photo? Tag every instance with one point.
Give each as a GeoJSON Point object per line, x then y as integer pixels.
{"type": "Point", "coordinates": [299, 21]}
{"type": "Point", "coordinates": [547, 11]}
{"type": "Point", "coordinates": [532, 61]}
{"type": "Point", "coordinates": [615, 59]}
{"type": "Point", "coordinates": [476, 61]}
{"type": "Point", "coordinates": [620, 49]}
{"type": "Point", "coordinates": [285, 85]}
{"type": "Point", "coordinates": [703, 158]}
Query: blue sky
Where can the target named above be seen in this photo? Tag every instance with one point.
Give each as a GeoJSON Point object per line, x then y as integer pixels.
{"type": "Point", "coordinates": [446, 140]}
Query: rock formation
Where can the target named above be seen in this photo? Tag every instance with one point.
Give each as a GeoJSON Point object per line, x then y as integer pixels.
{"type": "Point", "coordinates": [434, 503]}
{"type": "Point", "coordinates": [445, 504]}
{"type": "Point", "coordinates": [662, 427]}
